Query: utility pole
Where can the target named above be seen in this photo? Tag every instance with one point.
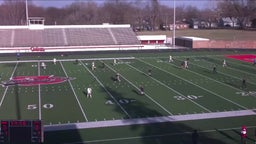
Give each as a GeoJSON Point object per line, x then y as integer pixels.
{"type": "Point", "coordinates": [174, 26]}
{"type": "Point", "coordinates": [27, 12]}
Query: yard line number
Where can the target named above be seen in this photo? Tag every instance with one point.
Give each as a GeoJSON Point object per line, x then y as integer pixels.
{"type": "Point", "coordinates": [121, 101]}
{"type": "Point", "coordinates": [34, 106]}
{"type": "Point", "coordinates": [182, 98]}
{"type": "Point", "coordinates": [249, 93]}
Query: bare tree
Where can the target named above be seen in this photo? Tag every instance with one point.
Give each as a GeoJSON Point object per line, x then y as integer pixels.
{"type": "Point", "coordinates": [73, 14]}
{"type": "Point", "coordinates": [154, 13]}
{"type": "Point", "coordinates": [35, 11]}
{"type": "Point", "coordinates": [210, 16]}
{"type": "Point", "coordinates": [117, 12]}
{"type": "Point", "coordinates": [191, 12]}
{"type": "Point", "coordinates": [54, 16]}
{"type": "Point", "coordinates": [165, 17]}
{"type": "Point", "coordinates": [140, 14]}
{"type": "Point", "coordinates": [242, 10]}
{"type": "Point", "coordinates": [13, 12]}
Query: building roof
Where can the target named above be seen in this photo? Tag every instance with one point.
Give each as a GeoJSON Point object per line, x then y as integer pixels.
{"type": "Point", "coordinates": [151, 37]}
{"type": "Point", "coordinates": [195, 38]}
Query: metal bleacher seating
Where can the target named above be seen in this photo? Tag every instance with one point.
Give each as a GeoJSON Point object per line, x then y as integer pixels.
{"type": "Point", "coordinates": [52, 37]}
{"type": "Point", "coordinates": [125, 36]}
{"type": "Point", "coordinates": [5, 37]}
{"type": "Point", "coordinates": [27, 38]}
{"type": "Point", "coordinates": [88, 36]}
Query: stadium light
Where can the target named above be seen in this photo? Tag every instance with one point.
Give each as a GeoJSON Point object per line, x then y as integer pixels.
{"type": "Point", "coordinates": [174, 19]}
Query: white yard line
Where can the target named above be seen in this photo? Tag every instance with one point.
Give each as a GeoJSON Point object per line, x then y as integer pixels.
{"type": "Point", "coordinates": [172, 89]}
{"type": "Point", "coordinates": [209, 77]}
{"type": "Point", "coordinates": [5, 91]}
{"type": "Point", "coordinates": [101, 84]}
{"type": "Point", "coordinates": [137, 121]}
{"type": "Point", "coordinates": [239, 90]}
{"type": "Point", "coordinates": [71, 86]}
{"type": "Point", "coordinates": [244, 65]}
{"type": "Point", "coordinates": [232, 76]}
{"type": "Point", "coordinates": [196, 85]}
{"type": "Point", "coordinates": [228, 67]}
{"type": "Point", "coordinates": [68, 60]}
{"type": "Point", "coordinates": [39, 94]}
{"type": "Point", "coordinates": [145, 93]}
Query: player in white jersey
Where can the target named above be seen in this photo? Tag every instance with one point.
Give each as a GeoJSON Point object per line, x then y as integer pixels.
{"type": "Point", "coordinates": [186, 64]}
{"type": "Point", "coordinates": [93, 66]}
{"type": "Point", "coordinates": [54, 61]}
{"type": "Point", "coordinates": [118, 77]}
{"type": "Point", "coordinates": [89, 92]}
{"type": "Point", "coordinates": [43, 65]}
{"type": "Point", "coordinates": [114, 62]}
{"type": "Point", "coordinates": [170, 59]}
{"type": "Point", "coordinates": [224, 63]}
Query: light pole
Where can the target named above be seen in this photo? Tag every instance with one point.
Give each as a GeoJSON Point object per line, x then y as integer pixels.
{"type": "Point", "coordinates": [27, 12]}
{"type": "Point", "coordinates": [174, 26]}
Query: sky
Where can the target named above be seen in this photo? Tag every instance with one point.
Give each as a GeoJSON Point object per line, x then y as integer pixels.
{"type": "Point", "coordinates": [201, 4]}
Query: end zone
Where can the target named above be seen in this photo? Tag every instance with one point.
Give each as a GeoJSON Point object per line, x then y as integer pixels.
{"type": "Point", "coordinates": [245, 57]}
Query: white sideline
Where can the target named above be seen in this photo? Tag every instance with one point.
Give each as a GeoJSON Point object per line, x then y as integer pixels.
{"type": "Point", "coordinates": [126, 122]}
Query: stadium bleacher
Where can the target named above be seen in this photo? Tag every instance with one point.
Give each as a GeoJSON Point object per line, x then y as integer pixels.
{"type": "Point", "coordinates": [28, 38]}
{"type": "Point", "coordinates": [5, 38]}
{"type": "Point", "coordinates": [88, 36]}
{"type": "Point", "coordinates": [65, 36]}
{"type": "Point", "coordinates": [124, 35]}
{"type": "Point", "coordinates": [53, 37]}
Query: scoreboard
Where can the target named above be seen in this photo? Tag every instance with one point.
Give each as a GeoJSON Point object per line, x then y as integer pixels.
{"type": "Point", "coordinates": [21, 131]}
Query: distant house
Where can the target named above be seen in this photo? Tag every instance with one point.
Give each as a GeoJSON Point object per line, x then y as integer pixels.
{"type": "Point", "coordinates": [229, 22]}
{"type": "Point", "coordinates": [194, 23]}
{"type": "Point", "coordinates": [179, 25]}
{"type": "Point", "coordinates": [213, 24]}
{"type": "Point", "coordinates": [201, 24]}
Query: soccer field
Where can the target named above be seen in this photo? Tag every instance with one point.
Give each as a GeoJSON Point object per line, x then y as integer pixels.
{"type": "Point", "coordinates": [172, 94]}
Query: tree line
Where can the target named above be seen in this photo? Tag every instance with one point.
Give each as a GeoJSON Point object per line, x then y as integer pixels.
{"type": "Point", "coordinates": [148, 15]}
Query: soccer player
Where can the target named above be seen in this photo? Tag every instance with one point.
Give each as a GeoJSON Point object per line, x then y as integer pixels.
{"type": "Point", "coordinates": [89, 92]}
{"type": "Point", "coordinates": [43, 65]}
{"type": "Point", "coordinates": [141, 90]}
{"type": "Point", "coordinates": [214, 69]}
{"type": "Point", "coordinates": [149, 72]}
{"type": "Point", "coordinates": [195, 137]}
{"type": "Point", "coordinates": [186, 64]}
{"type": "Point", "coordinates": [54, 61]}
{"type": "Point", "coordinates": [224, 63]}
{"type": "Point", "coordinates": [103, 65]}
{"type": "Point", "coordinates": [243, 135]}
{"type": "Point", "coordinates": [182, 64]}
{"type": "Point", "coordinates": [244, 83]}
{"type": "Point", "coordinates": [76, 61]}
{"type": "Point", "coordinates": [170, 59]}
{"type": "Point", "coordinates": [93, 66]}
{"type": "Point", "coordinates": [254, 136]}
{"type": "Point", "coordinates": [254, 62]}
{"type": "Point", "coordinates": [18, 56]}
{"type": "Point", "coordinates": [118, 77]}
{"type": "Point", "coordinates": [114, 62]}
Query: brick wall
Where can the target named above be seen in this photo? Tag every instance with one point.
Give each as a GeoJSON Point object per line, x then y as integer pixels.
{"type": "Point", "coordinates": [225, 44]}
